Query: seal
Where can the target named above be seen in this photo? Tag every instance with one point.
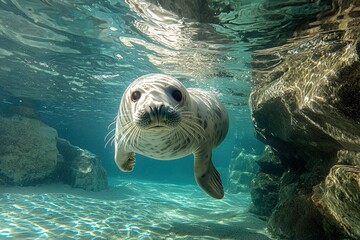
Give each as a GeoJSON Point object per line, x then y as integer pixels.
{"type": "Point", "coordinates": [159, 118]}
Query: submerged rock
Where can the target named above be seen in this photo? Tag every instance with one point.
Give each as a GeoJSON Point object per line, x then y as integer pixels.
{"type": "Point", "coordinates": [266, 184]}
{"type": "Point", "coordinates": [28, 153]}
{"type": "Point", "coordinates": [305, 105]}
{"type": "Point", "coordinates": [31, 153]}
{"type": "Point", "coordinates": [242, 170]}
{"type": "Point", "coordinates": [338, 197]}
{"type": "Point", "coordinates": [81, 168]}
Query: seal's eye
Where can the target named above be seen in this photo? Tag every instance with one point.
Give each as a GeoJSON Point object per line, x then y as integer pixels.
{"type": "Point", "coordinates": [177, 95]}
{"type": "Point", "coordinates": [135, 96]}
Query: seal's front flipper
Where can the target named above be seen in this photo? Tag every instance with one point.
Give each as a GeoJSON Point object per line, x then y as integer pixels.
{"type": "Point", "coordinates": [207, 176]}
{"type": "Point", "coordinates": [124, 160]}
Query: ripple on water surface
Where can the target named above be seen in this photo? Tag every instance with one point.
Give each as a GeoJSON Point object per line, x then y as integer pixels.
{"type": "Point", "coordinates": [127, 210]}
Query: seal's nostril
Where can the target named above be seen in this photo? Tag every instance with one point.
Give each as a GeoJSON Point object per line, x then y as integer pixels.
{"type": "Point", "coordinates": [161, 110]}
{"type": "Point", "coordinates": [157, 111]}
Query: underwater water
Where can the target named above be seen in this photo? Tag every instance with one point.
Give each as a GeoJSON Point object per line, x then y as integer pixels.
{"type": "Point", "coordinates": [71, 61]}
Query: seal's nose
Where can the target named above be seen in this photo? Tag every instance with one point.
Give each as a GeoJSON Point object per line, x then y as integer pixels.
{"type": "Point", "coordinates": [157, 112]}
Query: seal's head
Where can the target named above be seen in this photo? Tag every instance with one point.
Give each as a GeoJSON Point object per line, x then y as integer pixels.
{"type": "Point", "coordinates": [155, 101]}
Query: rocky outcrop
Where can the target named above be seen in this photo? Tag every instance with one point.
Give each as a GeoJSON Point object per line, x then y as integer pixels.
{"type": "Point", "coordinates": [81, 168]}
{"type": "Point", "coordinates": [305, 105]}
{"type": "Point", "coordinates": [338, 197]}
{"type": "Point", "coordinates": [28, 153]}
{"type": "Point", "coordinates": [266, 184]}
{"type": "Point", "coordinates": [31, 153]}
{"type": "Point", "coordinates": [242, 170]}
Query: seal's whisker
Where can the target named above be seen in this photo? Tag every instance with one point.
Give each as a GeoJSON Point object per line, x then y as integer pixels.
{"type": "Point", "coordinates": [133, 136]}
{"type": "Point", "coordinates": [124, 117]}
{"type": "Point", "coordinates": [125, 131]}
{"type": "Point", "coordinates": [200, 135]}
{"type": "Point", "coordinates": [112, 123]}
{"type": "Point", "coordinates": [176, 135]}
{"type": "Point", "coordinates": [180, 109]}
{"type": "Point", "coordinates": [192, 119]}
{"type": "Point", "coordinates": [127, 138]}
{"type": "Point", "coordinates": [190, 115]}
{"type": "Point", "coordinates": [121, 128]}
{"type": "Point", "coordinates": [195, 127]}
{"type": "Point", "coordinates": [194, 135]}
{"type": "Point", "coordinates": [111, 138]}
{"type": "Point", "coordinates": [184, 132]}
{"type": "Point", "coordinates": [177, 107]}
{"type": "Point", "coordinates": [188, 132]}
{"type": "Point", "coordinates": [125, 134]}
{"type": "Point", "coordinates": [109, 133]}
{"type": "Point", "coordinates": [181, 133]}
{"type": "Point", "coordinates": [139, 135]}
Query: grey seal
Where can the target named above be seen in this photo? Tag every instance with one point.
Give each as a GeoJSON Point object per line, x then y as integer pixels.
{"type": "Point", "coordinates": [159, 118]}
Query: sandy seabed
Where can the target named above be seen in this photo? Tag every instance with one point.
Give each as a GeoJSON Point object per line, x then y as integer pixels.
{"type": "Point", "coordinates": [126, 210]}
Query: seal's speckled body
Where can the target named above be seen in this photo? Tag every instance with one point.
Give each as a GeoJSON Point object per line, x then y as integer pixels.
{"type": "Point", "coordinates": [159, 118]}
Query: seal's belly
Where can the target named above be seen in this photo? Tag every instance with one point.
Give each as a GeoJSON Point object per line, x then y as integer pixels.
{"type": "Point", "coordinates": [164, 148]}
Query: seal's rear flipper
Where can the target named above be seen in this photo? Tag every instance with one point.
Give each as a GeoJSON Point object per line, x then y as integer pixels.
{"type": "Point", "coordinates": [208, 178]}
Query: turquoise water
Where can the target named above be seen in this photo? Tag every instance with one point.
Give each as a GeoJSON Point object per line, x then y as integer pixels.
{"type": "Point", "coordinates": [72, 60]}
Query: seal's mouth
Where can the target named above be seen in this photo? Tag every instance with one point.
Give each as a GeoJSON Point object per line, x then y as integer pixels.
{"type": "Point", "coordinates": [157, 126]}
